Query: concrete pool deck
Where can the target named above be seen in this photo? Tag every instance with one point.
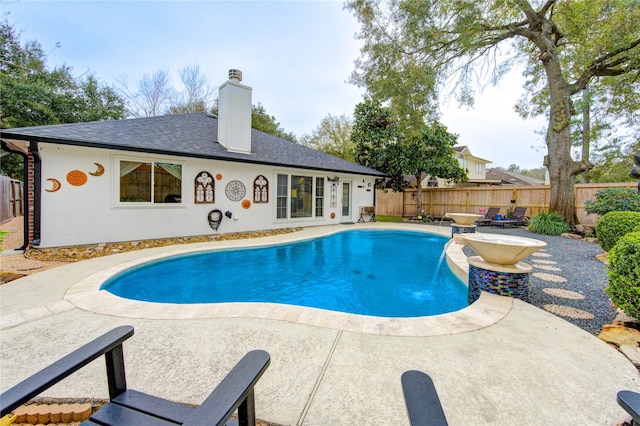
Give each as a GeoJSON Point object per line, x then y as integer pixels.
{"type": "Point", "coordinates": [500, 361]}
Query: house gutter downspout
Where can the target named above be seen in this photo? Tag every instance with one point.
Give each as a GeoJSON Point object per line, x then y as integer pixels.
{"type": "Point", "coordinates": [25, 173]}
{"type": "Point", "coordinates": [37, 174]}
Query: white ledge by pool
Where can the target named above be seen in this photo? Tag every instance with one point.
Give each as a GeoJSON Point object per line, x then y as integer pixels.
{"type": "Point", "coordinates": [489, 309]}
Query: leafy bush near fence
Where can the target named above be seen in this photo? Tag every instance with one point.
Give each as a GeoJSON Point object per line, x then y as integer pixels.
{"type": "Point", "coordinates": [612, 200]}
{"type": "Point", "coordinates": [624, 274]}
{"type": "Point", "coordinates": [551, 223]}
{"type": "Point", "coordinates": [614, 225]}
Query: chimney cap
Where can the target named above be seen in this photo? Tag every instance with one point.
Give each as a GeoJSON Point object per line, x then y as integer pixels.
{"type": "Point", "coordinates": [235, 75]}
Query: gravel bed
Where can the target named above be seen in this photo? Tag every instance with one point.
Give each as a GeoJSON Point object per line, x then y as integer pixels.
{"type": "Point", "coordinates": [580, 299]}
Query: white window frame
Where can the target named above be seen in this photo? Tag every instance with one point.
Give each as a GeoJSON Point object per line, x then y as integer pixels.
{"type": "Point", "coordinates": [147, 204]}
{"type": "Point", "coordinates": [314, 196]}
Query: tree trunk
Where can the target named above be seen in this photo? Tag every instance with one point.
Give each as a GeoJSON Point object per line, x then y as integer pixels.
{"type": "Point", "coordinates": [418, 196]}
{"type": "Point", "coordinates": [562, 168]}
{"type": "Point", "coordinates": [586, 131]}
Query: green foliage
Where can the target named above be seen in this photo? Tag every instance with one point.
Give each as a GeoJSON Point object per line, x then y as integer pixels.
{"type": "Point", "coordinates": [624, 274]}
{"type": "Point", "coordinates": [383, 144]}
{"type": "Point", "coordinates": [264, 122]}
{"type": "Point", "coordinates": [380, 218]}
{"type": "Point", "coordinates": [332, 136]}
{"type": "Point", "coordinates": [551, 223]}
{"type": "Point", "coordinates": [614, 160]}
{"type": "Point", "coordinates": [568, 46]}
{"type": "Point", "coordinates": [613, 199]}
{"type": "Point", "coordinates": [373, 129]}
{"type": "Point", "coordinates": [33, 95]}
{"type": "Point", "coordinates": [613, 225]}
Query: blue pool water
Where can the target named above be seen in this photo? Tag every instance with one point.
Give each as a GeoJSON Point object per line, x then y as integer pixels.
{"type": "Point", "coordinates": [367, 272]}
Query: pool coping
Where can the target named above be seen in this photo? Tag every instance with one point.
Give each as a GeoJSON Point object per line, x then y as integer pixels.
{"type": "Point", "coordinates": [487, 310]}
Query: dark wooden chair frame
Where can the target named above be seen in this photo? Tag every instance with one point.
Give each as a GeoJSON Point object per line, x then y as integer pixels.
{"type": "Point", "coordinates": [421, 398]}
{"type": "Point", "coordinates": [519, 216]}
{"type": "Point", "coordinates": [488, 216]}
{"type": "Point", "coordinates": [130, 407]}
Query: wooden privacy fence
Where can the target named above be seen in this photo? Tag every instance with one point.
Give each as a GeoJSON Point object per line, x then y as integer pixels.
{"type": "Point", "coordinates": [10, 198]}
{"type": "Point", "coordinates": [438, 201]}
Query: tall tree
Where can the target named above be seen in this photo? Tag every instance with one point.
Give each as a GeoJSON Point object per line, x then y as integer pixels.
{"type": "Point", "coordinates": [463, 37]}
{"type": "Point", "coordinates": [373, 130]}
{"type": "Point", "coordinates": [332, 136]}
{"type": "Point", "coordinates": [384, 144]}
{"type": "Point", "coordinates": [196, 96]}
{"type": "Point", "coordinates": [151, 96]}
{"type": "Point", "coordinates": [33, 95]}
{"type": "Point", "coordinates": [261, 120]}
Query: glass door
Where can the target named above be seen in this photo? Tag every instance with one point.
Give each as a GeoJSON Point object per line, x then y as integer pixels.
{"type": "Point", "coordinates": [346, 200]}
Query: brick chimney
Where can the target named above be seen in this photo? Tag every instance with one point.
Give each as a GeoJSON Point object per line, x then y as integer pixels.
{"type": "Point", "coordinates": [234, 114]}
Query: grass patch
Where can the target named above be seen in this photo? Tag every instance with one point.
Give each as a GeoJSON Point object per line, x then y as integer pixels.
{"type": "Point", "coordinates": [2, 235]}
{"type": "Point", "coordinates": [380, 218]}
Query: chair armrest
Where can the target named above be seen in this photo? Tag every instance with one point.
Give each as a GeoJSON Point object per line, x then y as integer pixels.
{"type": "Point", "coordinates": [630, 401]}
{"type": "Point", "coordinates": [235, 391]}
{"type": "Point", "coordinates": [52, 374]}
{"type": "Point", "coordinates": [423, 404]}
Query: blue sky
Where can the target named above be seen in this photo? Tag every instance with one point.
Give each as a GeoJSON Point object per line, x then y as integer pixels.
{"type": "Point", "coordinates": [296, 55]}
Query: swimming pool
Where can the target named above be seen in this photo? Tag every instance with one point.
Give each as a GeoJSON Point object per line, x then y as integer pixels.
{"type": "Point", "coordinates": [369, 272]}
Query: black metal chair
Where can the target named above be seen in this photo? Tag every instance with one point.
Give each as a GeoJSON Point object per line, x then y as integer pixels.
{"type": "Point", "coordinates": [630, 401]}
{"type": "Point", "coordinates": [421, 397]}
{"type": "Point", "coordinates": [130, 407]}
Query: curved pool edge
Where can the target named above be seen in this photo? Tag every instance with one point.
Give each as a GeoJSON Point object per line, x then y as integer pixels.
{"type": "Point", "coordinates": [488, 310]}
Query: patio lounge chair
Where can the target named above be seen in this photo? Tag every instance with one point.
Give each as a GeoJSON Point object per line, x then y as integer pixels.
{"type": "Point", "coordinates": [488, 216]}
{"type": "Point", "coordinates": [519, 216]}
{"type": "Point", "coordinates": [130, 407]}
{"type": "Point", "coordinates": [423, 404]}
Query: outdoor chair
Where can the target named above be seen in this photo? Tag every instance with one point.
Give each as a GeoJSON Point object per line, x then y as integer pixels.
{"type": "Point", "coordinates": [130, 407]}
{"type": "Point", "coordinates": [421, 398]}
{"type": "Point", "coordinates": [630, 401]}
{"type": "Point", "coordinates": [488, 216]}
{"type": "Point", "coordinates": [519, 216]}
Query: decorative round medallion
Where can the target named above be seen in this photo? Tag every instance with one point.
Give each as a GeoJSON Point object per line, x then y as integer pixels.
{"type": "Point", "coordinates": [246, 204]}
{"type": "Point", "coordinates": [76, 177]}
{"type": "Point", "coordinates": [235, 190]}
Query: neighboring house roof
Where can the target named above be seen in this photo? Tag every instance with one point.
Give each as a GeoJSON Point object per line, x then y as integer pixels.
{"type": "Point", "coordinates": [187, 135]}
{"type": "Point", "coordinates": [464, 150]}
{"type": "Point", "coordinates": [511, 178]}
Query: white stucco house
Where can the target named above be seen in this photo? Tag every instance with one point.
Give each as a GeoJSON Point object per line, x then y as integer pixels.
{"type": "Point", "coordinates": [159, 177]}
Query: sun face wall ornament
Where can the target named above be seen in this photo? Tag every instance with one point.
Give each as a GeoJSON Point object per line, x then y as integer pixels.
{"type": "Point", "coordinates": [235, 190]}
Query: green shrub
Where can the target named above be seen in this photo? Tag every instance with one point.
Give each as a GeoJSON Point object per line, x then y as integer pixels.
{"type": "Point", "coordinates": [613, 200]}
{"type": "Point", "coordinates": [551, 223]}
{"type": "Point", "coordinates": [624, 274]}
{"type": "Point", "coordinates": [614, 225]}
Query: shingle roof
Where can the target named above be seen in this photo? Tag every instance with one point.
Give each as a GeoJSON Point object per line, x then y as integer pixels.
{"type": "Point", "coordinates": [188, 135]}
{"type": "Point", "coordinates": [512, 178]}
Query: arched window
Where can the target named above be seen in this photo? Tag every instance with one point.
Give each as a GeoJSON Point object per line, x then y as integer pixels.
{"type": "Point", "coordinates": [432, 182]}
{"type": "Point", "coordinates": [260, 190]}
{"type": "Point", "coordinates": [204, 191]}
